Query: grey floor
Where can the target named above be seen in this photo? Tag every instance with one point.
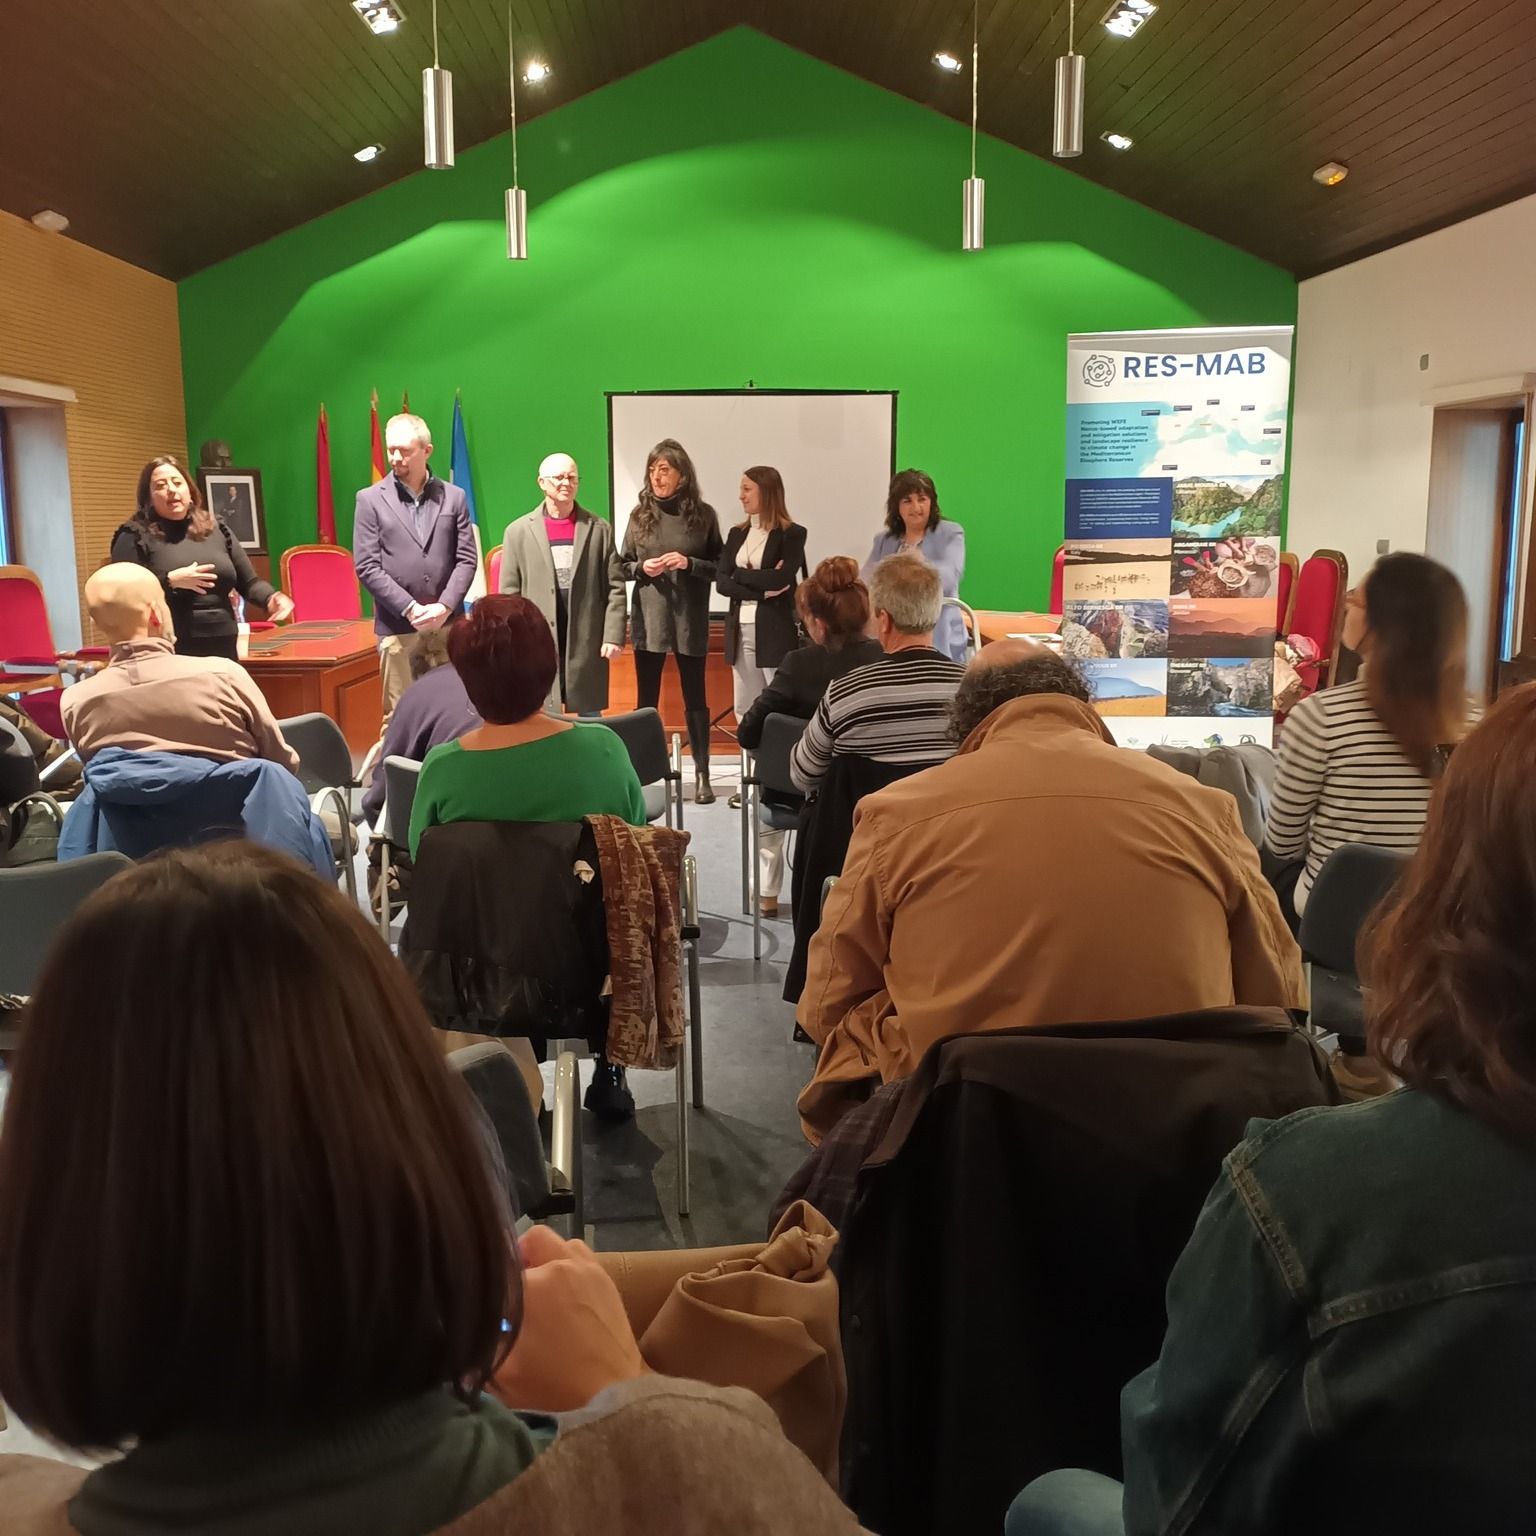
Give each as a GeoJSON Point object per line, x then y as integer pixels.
{"type": "Point", "coordinates": [746, 1140]}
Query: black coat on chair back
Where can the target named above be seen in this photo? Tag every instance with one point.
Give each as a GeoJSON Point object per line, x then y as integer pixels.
{"type": "Point", "coordinates": [821, 845]}
{"type": "Point", "coordinates": [504, 935]}
{"type": "Point", "coordinates": [1003, 1271]}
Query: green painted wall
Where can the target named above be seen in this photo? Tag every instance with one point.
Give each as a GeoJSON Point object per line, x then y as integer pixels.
{"type": "Point", "coordinates": [738, 211]}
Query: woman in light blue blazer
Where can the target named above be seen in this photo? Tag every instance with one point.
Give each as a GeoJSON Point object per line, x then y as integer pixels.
{"type": "Point", "coordinates": [913, 522]}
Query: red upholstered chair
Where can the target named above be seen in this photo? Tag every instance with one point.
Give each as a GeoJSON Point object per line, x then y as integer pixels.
{"type": "Point", "coordinates": [493, 571]}
{"type": "Point", "coordinates": [1057, 569]}
{"type": "Point", "coordinates": [1317, 611]}
{"type": "Point", "coordinates": [1285, 590]}
{"type": "Point", "coordinates": [322, 581]}
{"type": "Point", "coordinates": [29, 663]}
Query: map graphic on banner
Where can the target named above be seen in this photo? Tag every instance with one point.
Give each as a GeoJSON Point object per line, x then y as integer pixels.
{"type": "Point", "coordinates": [1176, 449]}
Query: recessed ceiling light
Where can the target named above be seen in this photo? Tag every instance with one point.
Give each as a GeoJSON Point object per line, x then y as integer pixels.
{"type": "Point", "coordinates": [1125, 18]}
{"type": "Point", "coordinates": [948, 61]}
{"type": "Point", "coordinates": [536, 72]}
{"type": "Point", "coordinates": [368, 152]}
{"type": "Point", "coordinates": [379, 16]}
{"type": "Point", "coordinates": [1117, 140]}
{"type": "Point", "coordinates": [51, 220]}
{"type": "Point", "coordinates": [1330, 175]}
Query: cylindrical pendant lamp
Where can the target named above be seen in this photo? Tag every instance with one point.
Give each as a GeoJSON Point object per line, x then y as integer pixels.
{"type": "Point", "coordinates": [437, 109]}
{"type": "Point", "coordinates": [517, 199]}
{"type": "Point", "coordinates": [973, 215]}
{"type": "Point", "coordinates": [1071, 79]}
{"type": "Point", "coordinates": [517, 224]}
{"type": "Point", "coordinates": [437, 117]}
{"type": "Point", "coordinates": [974, 219]}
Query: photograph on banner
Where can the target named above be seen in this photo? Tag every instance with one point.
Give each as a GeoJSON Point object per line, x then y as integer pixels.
{"type": "Point", "coordinates": [1221, 685]}
{"type": "Point", "coordinates": [1092, 631]}
{"type": "Point", "coordinates": [1221, 626]}
{"type": "Point", "coordinates": [1235, 567]}
{"type": "Point", "coordinates": [1230, 506]}
{"type": "Point", "coordinates": [1128, 687]}
{"type": "Point", "coordinates": [1114, 570]}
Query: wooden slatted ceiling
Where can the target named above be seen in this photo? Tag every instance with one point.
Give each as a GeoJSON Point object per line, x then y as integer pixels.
{"type": "Point", "coordinates": [176, 132]}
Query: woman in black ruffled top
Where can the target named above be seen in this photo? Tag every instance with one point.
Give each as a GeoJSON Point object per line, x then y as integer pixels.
{"type": "Point", "coordinates": [197, 559]}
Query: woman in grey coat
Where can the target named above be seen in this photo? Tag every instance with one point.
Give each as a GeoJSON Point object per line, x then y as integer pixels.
{"type": "Point", "coordinates": [562, 559]}
{"type": "Point", "coordinates": [671, 548]}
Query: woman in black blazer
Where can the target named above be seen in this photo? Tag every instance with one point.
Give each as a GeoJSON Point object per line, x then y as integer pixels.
{"type": "Point", "coordinates": [834, 603]}
{"type": "Point", "coordinates": [762, 561]}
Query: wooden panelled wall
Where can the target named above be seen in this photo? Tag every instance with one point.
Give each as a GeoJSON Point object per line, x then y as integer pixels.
{"type": "Point", "coordinates": [72, 316]}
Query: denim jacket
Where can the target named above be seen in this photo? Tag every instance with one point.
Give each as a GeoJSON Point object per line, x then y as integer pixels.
{"type": "Point", "coordinates": [1351, 1336]}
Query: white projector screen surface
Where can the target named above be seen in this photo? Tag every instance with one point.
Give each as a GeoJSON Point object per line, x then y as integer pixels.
{"type": "Point", "coordinates": [835, 452]}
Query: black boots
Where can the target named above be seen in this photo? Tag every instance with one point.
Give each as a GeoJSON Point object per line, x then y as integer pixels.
{"type": "Point", "coordinates": [698, 742]}
{"type": "Point", "coordinates": [608, 1095]}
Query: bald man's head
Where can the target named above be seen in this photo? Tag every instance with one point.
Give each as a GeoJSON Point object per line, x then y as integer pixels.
{"type": "Point", "coordinates": [558, 479]}
{"type": "Point", "coordinates": [1003, 653]}
{"type": "Point", "coordinates": [127, 603]}
{"type": "Point", "coordinates": [1006, 670]}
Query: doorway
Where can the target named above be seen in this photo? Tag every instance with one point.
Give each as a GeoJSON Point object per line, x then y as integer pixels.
{"type": "Point", "coordinates": [1477, 525]}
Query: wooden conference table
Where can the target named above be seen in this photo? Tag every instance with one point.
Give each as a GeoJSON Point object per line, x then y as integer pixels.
{"type": "Point", "coordinates": [329, 666]}
{"type": "Point", "coordinates": [998, 626]}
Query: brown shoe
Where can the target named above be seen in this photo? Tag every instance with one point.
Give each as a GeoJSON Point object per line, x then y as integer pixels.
{"type": "Point", "coordinates": [768, 906]}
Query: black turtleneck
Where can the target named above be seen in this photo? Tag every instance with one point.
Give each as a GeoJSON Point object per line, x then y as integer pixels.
{"type": "Point", "coordinates": [165, 546]}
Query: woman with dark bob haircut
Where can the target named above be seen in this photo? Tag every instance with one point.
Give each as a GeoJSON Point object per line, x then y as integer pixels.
{"type": "Point", "coordinates": [521, 764]}
{"type": "Point", "coordinates": [248, 1235]}
{"type": "Point", "coordinates": [195, 557]}
{"type": "Point", "coordinates": [915, 525]}
{"type": "Point", "coordinates": [1352, 1329]}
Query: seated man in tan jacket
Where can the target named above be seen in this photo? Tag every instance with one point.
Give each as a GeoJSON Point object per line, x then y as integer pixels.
{"type": "Point", "coordinates": [149, 699]}
{"type": "Point", "coordinates": [1042, 875]}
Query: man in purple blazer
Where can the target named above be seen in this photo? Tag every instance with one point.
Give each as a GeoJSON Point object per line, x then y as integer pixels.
{"type": "Point", "coordinates": [414, 549]}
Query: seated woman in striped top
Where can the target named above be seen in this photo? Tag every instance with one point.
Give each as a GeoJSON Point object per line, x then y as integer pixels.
{"type": "Point", "coordinates": [1358, 763]}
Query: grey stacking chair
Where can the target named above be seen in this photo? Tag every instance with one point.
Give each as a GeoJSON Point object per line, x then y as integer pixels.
{"type": "Point", "coordinates": [660, 772]}
{"type": "Point", "coordinates": [766, 768]}
{"type": "Point", "coordinates": [325, 771]}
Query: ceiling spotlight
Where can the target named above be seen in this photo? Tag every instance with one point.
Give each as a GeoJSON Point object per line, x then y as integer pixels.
{"type": "Point", "coordinates": [1117, 140]}
{"type": "Point", "coordinates": [1125, 18]}
{"type": "Point", "coordinates": [1330, 175]}
{"type": "Point", "coordinates": [51, 220]}
{"type": "Point", "coordinates": [368, 152]}
{"type": "Point", "coordinates": [379, 16]}
{"type": "Point", "coordinates": [536, 72]}
{"type": "Point", "coordinates": [948, 62]}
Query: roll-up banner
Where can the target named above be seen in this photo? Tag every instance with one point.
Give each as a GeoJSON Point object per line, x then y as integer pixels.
{"type": "Point", "coordinates": [1176, 447]}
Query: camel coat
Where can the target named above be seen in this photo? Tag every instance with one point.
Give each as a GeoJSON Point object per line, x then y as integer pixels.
{"type": "Point", "coordinates": [1042, 875]}
{"type": "Point", "coordinates": [596, 599]}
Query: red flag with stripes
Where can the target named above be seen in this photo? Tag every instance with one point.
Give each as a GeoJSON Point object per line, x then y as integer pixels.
{"type": "Point", "coordinates": [325, 501]}
{"type": "Point", "coordinates": [376, 442]}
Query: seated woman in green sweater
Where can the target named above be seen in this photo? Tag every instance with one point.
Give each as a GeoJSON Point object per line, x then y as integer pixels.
{"type": "Point", "coordinates": [269, 1262]}
{"type": "Point", "coordinates": [521, 765]}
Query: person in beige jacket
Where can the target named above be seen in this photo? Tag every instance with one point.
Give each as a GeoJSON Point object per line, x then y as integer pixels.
{"type": "Point", "coordinates": [149, 699]}
{"type": "Point", "coordinates": [1042, 875]}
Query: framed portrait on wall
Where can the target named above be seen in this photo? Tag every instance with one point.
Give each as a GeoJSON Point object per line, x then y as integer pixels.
{"type": "Point", "coordinates": [235, 495]}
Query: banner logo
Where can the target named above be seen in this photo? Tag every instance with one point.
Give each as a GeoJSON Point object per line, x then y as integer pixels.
{"type": "Point", "coordinates": [1099, 371]}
